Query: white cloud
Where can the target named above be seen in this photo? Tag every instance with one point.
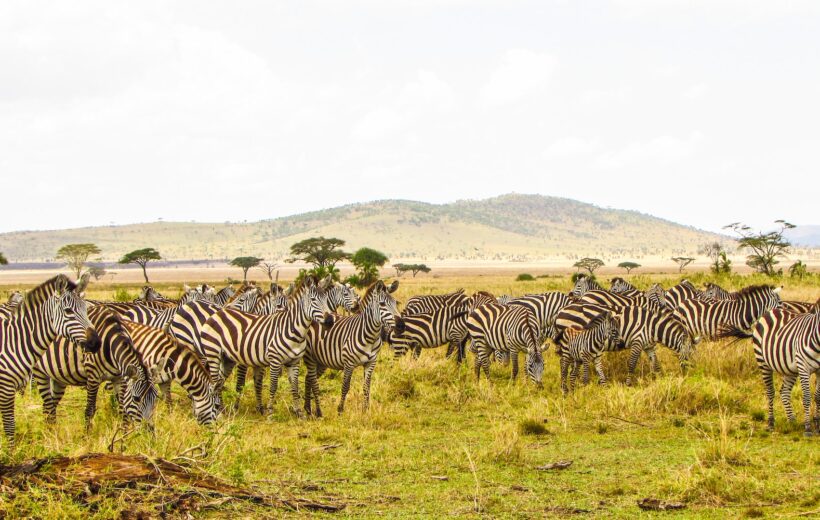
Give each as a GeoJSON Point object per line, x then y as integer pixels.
{"type": "Point", "coordinates": [570, 146]}
{"type": "Point", "coordinates": [662, 150]}
{"type": "Point", "coordinates": [522, 72]}
{"type": "Point", "coordinates": [696, 91]}
{"type": "Point", "coordinates": [380, 123]}
{"type": "Point", "coordinates": [595, 97]}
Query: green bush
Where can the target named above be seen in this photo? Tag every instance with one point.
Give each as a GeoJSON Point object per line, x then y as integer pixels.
{"type": "Point", "coordinates": [122, 295]}
{"type": "Point", "coordinates": [524, 277]}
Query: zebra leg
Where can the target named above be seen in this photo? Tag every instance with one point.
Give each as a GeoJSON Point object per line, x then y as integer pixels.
{"type": "Point", "coordinates": [634, 355]}
{"type": "Point", "coordinates": [786, 395]}
{"type": "Point", "coordinates": [585, 373]}
{"type": "Point", "coordinates": [275, 372]}
{"type": "Point", "coordinates": [314, 387]}
{"type": "Point", "coordinates": [768, 383]}
{"type": "Point", "coordinates": [7, 391]}
{"type": "Point", "coordinates": [599, 369]}
{"type": "Point", "coordinates": [564, 371]}
{"type": "Point", "coordinates": [462, 351]}
{"type": "Point", "coordinates": [481, 360]}
{"type": "Point", "coordinates": [416, 351]}
{"type": "Point", "coordinates": [653, 359]}
{"type": "Point", "coordinates": [514, 360]}
{"type": "Point", "coordinates": [348, 373]}
{"type": "Point", "coordinates": [451, 349]}
{"type": "Point", "coordinates": [310, 371]}
{"type": "Point", "coordinates": [165, 388]}
{"type": "Point", "coordinates": [805, 385]}
{"type": "Point", "coordinates": [573, 375]}
{"type": "Point", "coordinates": [92, 386]}
{"type": "Point", "coordinates": [258, 385]}
{"type": "Point", "coordinates": [293, 377]}
{"type": "Point", "coordinates": [241, 375]}
{"type": "Point", "coordinates": [368, 374]}
{"type": "Point", "coordinates": [44, 388]}
{"type": "Point", "coordinates": [817, 401]}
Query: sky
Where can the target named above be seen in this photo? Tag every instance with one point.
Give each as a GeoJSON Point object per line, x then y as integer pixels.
{"type": "Point", "coordinates": [703, 112]}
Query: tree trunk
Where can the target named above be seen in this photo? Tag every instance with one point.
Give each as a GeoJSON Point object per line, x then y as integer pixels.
{"type": "Point", "coordinates": [144, 273]}
{"type": "Point", "coordinates": [245, 272]}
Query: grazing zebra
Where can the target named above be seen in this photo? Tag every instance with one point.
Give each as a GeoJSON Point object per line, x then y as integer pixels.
{"type": "Point", "coordinates": [234, 337]}
{"type": "Point", "coordinates": [620, 286]}
{"type": "Point", "coordinates": [684, 290]}
{"type": "Point", "coordinates": [585, 346]}
{"type": "Point", "coordinates": [64, 364]}
{"type": "Point", "coordinates": [49, 309]}
{"type": "Point", "coordinates": [800, 307]}
{"type": "Point", "coordinates": [431, 330]}
{"type": "Point", "coordinates": [430, 302]}
{"type": "Point", "coordinates": [639, 328]}
{"type": "Point", "coordinates": [353, 341]}
{"type": "Point", "coordinates": [728, 317]}
{"type": "Point", "coordinates": [168, 361]}
{"type": "Point", "coordinates": [789, 344]}
{"type": "Point", "coordinates": [614, 301]}
{"type": "Point", "coordinates": [583, 284]}
{"type": "Point", "coordinates": [656, 297]}
{"type": "Point", "coordinates": [545, 307]}
{"type": "Point", "coordinates": [510, 329]}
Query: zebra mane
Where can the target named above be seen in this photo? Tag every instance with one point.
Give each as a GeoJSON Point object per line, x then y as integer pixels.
{"type": "Point", "coordinates": [597, 320]}
{"type": "Point", "coordinates": [35, 297]}
{"type": "Point", "coordinates": [242, 290]}
{"type": "Point", "coordinates": [370, 291]}
{"type": "Point", "coordinates": [754, 289]}
{"type": "Point", "coordinates": [307, 281]}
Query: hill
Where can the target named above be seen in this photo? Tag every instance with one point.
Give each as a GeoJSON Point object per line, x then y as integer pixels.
{"type": "Point", "coordinates": [506, 228]}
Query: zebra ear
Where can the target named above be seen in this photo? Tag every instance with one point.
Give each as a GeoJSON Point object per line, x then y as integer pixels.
{"type": "Point", "coordinates": [778, 289]}
{"type": "Point", "coordinates": [393, 286]}
{"type": "Point", "coordinates": [696, 340]}
{"type": "Point", "coordinates": [131, 372]}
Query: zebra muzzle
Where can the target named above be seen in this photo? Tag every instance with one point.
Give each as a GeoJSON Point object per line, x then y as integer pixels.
{"type": "Point", "coordinates": [92, 340]}
{"type": "Point", "coordinates": [328, 321]}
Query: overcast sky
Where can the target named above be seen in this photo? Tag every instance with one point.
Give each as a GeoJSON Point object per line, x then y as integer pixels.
{"type": "Point", "coordinates": [702, 112]}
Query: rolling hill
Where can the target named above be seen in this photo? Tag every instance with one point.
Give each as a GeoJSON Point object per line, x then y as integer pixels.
{"type": "Point", "coordinates": [510, 227]}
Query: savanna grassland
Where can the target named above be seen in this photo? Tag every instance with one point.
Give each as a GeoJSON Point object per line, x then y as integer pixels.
{"type": "Point", "coordinates": [437, 443]}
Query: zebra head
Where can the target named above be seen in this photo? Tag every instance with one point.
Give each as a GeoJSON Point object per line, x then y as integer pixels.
{"type": "Point", "coordinates": [619, 285]}
{"type": "Point", "coordinates": [140, 397]}
{"type": "Point", "coordinates": [583, 284]}
{"type": "Point", "coordinates": [656, 296]}
{"type": "Point", "coordinates": [342, 295]}
{"type": "Point", "coordinates": [206, 408]}
{"type": "Point", "coordinates": [15, 299]}
{"type": "Point", "coordinates": [69, 318]}
{"type": "Point", "coordinates": [313, 301]}
{"type": "Point", "coordinates": [148, 293]}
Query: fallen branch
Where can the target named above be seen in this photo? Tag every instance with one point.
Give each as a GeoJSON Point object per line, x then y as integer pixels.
{"type": "Point", "coordinates": [655, 504]}
{"type": "Point", "coordinates": [561, 464]}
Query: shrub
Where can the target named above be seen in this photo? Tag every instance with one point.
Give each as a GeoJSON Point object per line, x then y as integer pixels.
{"type": "Point", "coordinates": [122, 295]}
{"type": "Point", "coordinates": [524, 277]}
{"type": "Point", "coordinates": [532, 427]}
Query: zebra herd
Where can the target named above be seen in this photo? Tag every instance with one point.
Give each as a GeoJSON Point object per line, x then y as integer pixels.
{"type": "Point", "coordinates": [55, 337]}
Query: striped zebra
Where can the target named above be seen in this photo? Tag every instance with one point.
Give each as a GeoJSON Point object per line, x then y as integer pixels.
{"type": "Point", "coordinates": [716, 293]}
{"type": "Point", "coordinates": [168, 361]}
{"type": "Point", "coordinates": [504, 299]}
{"type": "Point", "coordinates": [728, 317]}
{"type": "Point", "coordinates": [639, 329]}
{"type": "Point", "coordinates": [431, 330]}
{"type": "Point", "coordinates": [161, 318]}
{"type": "Point", "coordinates": [789, 344]}
{"type": "Point", "coordinates": [342, 295]}
{"type": "Point", "coordinates": [583, 284]}
{"type": "Point", "coordinates": [51, 308]}
{"type": "Point", "coordinates": [618, 285]}
{"type": "Point", "coordinates": [65, 364]}
{"type": "Point", "coordinates": [276, 341]}
{"type": "Point", "coordinates": [509, 329]}
{"type": "Point", "coordinates": [614, 301]}
{"type": "Point", "coordinates": [430, 302]}
{"type": "Point", "coordinates": [656, 297]}
{"type": "Point", "coordinates": [585, 346]}
{"type": "Point", "coordinates": [7, 309]}
{"type": "Point", "coordinates": [223, 295]}
{"type": "Point", "coordinates": [683, 291]}
{"type": "Point", "coordinates": [545, 307]}
{"type": "Point", "coordinates": [353, 341]}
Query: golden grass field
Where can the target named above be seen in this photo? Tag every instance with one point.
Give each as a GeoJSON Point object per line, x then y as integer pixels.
{"type": "Point", "coordinates": [437, 443]}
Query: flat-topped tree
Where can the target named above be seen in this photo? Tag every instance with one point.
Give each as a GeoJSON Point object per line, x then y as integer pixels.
{"type": "Point", "coordinates": [367, 262]}
{"type": "Point", "coordinates": [682, 262]}
{"type": "Point", "coordinates": [629, 266]}
{"type": "Point", "coordinates": [419, 268]}
{"type": "Point", "coordinates": [400, 269]}
{"type": "Point", "coordinates": [245, 263]}
{"type": "Point", "coordinates": [765, 248]}
{"type": "Point", "coordinates": [590, 264]}
{"type": "Point", "coordinates": [141, 257]}
{"type": "Point", "coordinates": [76, 255]}
{"type": "Point", "coordinates": [323, 253]}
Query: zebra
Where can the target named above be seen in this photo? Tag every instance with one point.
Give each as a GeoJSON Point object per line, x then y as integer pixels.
{"type": "Point", "coordinates": [586, 346]}
{"type": "Point", "coordinates": [353, 341]}
{"type": "Point", "coordinates": [168, 361]}
{"type": "Point", "coordinates": [504, 299]}
{"type": "Point", "coordinates": [639, 329]}
{"type": "Point", "coordinates": [430, 302]}
{"type": "Point", "coordinates": [161, 318]}
{"type": "Point", "coordinates": [506, 328]}
{"type": "Point", "coordinates": [656, 297]}
{"type": "Point", "coordinates": [583, 284]}
{"type": "Point", "coordinates": [716, 293]}
{"type": "Point", "coordinates": [432, 329]}
{"type": "Point", "coordinates": [342, 295]}
{"type": "Point", "coordinates": [620, 286]}
{"type": "Point", "coordinates": [684, 290]}
{"type": "Point", "coordinates": [728, 317]}
{"type": "Point", "coordinates": [64, 364]}
{"type": "Point", "coordinates": [800, 307]}
{"type": "Point", "coordinates": [7, 309]}
{"type": "Point", "coordinates": [789, 344]}
{"type": "Point", "coordinates": [545, 307]}
{"type": "Point", "coordinates": [223, 295]}
{"type": "Point", "coordinates": [234, 337]}
{"type": "Point", "coordinates": [614, 301]}
{"type": "Point", "coordinates": [51, 308]}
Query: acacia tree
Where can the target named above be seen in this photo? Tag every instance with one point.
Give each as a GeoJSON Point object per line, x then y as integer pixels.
{"type": "Point", "coordinates": [682, 262]}
{"type": "Point", "coordinates": [629, 266]}
{"type": "Point", "coordinates": [367, 262]}
{"type": "Point", "coordinates": [268, 268]}
{"type": "Point", "coordinates": [323, 253]}
{"type": "Point", "coordinates": [765, 248]}
{"type": "Point", "coordinates": [97, 271]}
{"type": "Point", "coordinates": [413, 268]}
{"type": "Point", "coordinates": [141, 257]}
{"type": "Point", "coordinates": [590, 264]}
{"type": "Point", "coordinates": [3, 260]}
{"type": "Point", "coordinates": [245, 263]}
{"type": "Point", "coordinates": [76, 255]}
{"type": "Point", "coordinates": [717, 254]}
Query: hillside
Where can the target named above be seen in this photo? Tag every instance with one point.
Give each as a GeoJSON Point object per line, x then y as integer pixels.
{"type": "Point", "coordinates": [509, 227]}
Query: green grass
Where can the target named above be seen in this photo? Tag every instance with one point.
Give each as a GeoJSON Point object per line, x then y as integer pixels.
{"type": "Point", "coordinates": [697, 439]}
